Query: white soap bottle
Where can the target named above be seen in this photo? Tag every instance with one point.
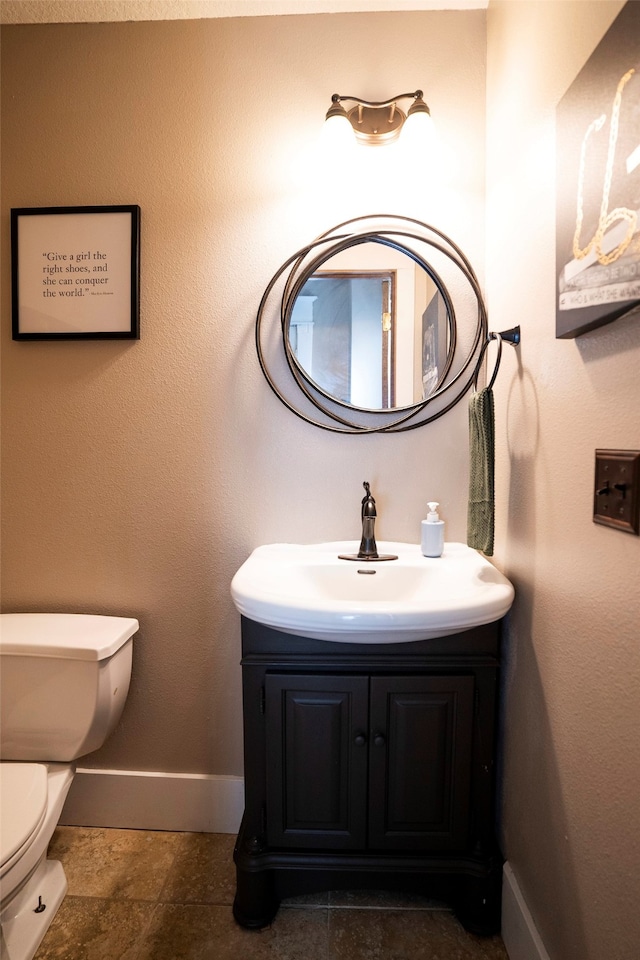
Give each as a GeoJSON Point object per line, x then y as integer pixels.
{"type": "Point", "coordinates": [432, 533]}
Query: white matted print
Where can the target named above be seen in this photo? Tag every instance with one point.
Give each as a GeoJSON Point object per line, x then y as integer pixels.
{"type": "Point", "coordinates": [75, 272]}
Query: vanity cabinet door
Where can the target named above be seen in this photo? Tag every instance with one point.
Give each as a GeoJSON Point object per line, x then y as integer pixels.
{"type": "Point", "coordinates": [421, 731]}
{"type": "Point", "coordinates": [316, 778]}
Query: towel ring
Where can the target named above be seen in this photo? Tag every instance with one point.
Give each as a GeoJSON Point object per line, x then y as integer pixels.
{"type": "Point", "coordinates": [511, 336]}
{"type": "Point", "coordinates": [492, 336]}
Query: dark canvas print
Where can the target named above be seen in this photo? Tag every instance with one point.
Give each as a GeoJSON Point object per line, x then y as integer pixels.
{"type": "Point", "coordinates": [598, 184]}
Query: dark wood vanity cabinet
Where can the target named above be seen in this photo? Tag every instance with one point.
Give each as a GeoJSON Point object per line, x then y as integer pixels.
{"type": "Point", "coordinates": [369, 765]}
{"type": "Point", "coordinates": [368, 762]}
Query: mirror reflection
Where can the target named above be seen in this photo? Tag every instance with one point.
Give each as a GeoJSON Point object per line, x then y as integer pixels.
{"type": "Point", "coordinates": [370, 329]}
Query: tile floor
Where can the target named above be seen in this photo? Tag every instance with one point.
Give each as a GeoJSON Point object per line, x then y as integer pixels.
{"type": "Point", "coordinates": [142, 895]}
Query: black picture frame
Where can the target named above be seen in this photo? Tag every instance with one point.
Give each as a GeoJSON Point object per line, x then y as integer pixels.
{"type": "Point", "coordinates": [598, 184]}
{"type": "Point", "coordinates": [75, 273]}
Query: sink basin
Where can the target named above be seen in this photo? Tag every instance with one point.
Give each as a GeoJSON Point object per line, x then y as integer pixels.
{"type": "Point", "coordinates": [307, 590]}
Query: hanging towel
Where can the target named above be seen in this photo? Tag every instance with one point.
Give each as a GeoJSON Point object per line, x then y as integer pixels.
{"type": "Point", "coordinates": [480, 516]}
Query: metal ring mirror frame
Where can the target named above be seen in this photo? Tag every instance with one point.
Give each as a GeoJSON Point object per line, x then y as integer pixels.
{"type": "Point", "coordinates": [291, 293]}
{"type": "Point", "coordinates": [340, 238]}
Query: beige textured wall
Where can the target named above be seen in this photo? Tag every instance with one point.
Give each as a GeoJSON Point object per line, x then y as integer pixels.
{"type": "Point", "coordinates": [137, 477]}
{"type": "Point", "coordinates": [571, 810]}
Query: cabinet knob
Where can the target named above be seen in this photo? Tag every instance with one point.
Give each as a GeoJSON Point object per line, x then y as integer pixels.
{"type": "Point", "coordinates": [379, 740]}
{"type": "Point", "coordinates": [360, 740]}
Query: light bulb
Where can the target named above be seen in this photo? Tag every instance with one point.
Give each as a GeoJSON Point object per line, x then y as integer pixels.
{"type": "Point", "coordinates": [418, 132]}
{"type": "Point", "coordinates": [337, 133]}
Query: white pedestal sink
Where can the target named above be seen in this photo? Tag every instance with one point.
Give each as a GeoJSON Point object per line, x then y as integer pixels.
{"type": "Point", "coordinates": [305, 589]}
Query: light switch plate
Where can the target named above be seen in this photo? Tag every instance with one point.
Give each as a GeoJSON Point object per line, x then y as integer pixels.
{"type": "Point", "coordinates": [616, 499]}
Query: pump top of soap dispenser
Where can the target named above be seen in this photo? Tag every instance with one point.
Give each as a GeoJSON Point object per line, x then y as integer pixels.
{"type": "Point", "coordinates": [432, 516]}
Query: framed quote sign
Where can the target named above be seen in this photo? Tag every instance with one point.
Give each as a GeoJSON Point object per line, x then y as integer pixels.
{"type": "Point", "coordinates": [75, 273]}
{"type": "Point", "coordinates": [598, 184]}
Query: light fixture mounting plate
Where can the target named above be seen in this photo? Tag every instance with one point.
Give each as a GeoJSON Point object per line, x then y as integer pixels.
{"type": "Point", "coordinates": [376, 125]}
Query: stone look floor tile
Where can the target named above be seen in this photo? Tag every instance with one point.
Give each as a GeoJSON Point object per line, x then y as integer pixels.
{"type": "Point", "coordinates": [406, 935]}
{"type": "Point", "coordinates": [87, 928]}
{"type": "Point", "coordinates": [190, 932]}
{"type": "Point", "coordinates": [146, 895]}
{"type": "Point", "coordinates": [203, 870]}
{"type": "Point", "coordinates": [384, 900]}
{"type": "Point", "coordinates": [307, 900]}
{"type": "Point", "coordinates": [117, 864]}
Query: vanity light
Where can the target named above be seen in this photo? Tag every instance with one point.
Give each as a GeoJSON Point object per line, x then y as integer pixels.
{"type": "Point", "coordinates": [377, 122]}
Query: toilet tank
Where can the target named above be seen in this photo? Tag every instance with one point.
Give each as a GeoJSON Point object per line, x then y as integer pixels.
{"type": "Point", "coordinates": [64, 679]}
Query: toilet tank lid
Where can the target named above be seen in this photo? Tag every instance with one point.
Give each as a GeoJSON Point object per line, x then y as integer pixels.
{"type": "Point", "coordinates": [71, 636]}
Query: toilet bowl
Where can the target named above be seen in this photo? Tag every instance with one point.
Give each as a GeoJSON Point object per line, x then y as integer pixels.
{"type": "Point", "coordinates": [64, 679]}
{"type": "Point", "coordinates": [31, 799]}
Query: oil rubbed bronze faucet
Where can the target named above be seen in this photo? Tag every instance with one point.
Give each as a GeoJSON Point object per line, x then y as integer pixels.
{"type": "Point", "coordinates": [368, 550]}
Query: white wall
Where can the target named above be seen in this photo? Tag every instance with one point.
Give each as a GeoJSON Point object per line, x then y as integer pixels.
{"type": "Point", "coordinates": [137, 477]}
{"type": "Point", "coordinates": [570, 811]}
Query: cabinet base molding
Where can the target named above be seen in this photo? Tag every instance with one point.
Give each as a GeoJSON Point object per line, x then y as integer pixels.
{"type": "Point", "coordinates": [471, 885]}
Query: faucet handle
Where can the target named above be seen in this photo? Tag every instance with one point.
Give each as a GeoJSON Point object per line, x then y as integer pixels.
{"type": "Point", "coordinates": [368, 502]}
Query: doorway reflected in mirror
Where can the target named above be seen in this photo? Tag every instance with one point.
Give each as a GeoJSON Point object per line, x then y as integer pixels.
{"type": "Point", "coordinates": [370, 329]}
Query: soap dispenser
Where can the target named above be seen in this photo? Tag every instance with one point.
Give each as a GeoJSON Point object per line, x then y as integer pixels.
{"type": "Point", "coordinates": [432, 533]}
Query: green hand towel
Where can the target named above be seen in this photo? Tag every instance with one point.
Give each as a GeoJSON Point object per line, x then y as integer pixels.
{"type": "Point", "coordinates": [480, 516]}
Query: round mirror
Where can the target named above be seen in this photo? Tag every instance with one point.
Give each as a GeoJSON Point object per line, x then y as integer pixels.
{"type": "Point", "coordinates": [371, 329]}
{"type": "Point", "coordinates": [367, 331]}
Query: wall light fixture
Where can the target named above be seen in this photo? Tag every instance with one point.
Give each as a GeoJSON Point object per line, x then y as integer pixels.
{"type": "Point", "coordinates": [378, 122]}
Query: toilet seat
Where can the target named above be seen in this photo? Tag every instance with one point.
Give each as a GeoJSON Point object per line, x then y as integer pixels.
{"type": "Point", "coordinates": [23, 800]}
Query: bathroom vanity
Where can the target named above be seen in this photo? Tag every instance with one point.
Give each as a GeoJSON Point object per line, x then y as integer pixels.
{"type": "Point", "coordinates": [370, 687]}
{"type": "Point", "coordinates": [369, 765]}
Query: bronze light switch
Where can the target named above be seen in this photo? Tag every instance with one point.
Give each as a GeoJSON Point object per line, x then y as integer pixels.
{"type": "Point", "coordinates": [616, 500]}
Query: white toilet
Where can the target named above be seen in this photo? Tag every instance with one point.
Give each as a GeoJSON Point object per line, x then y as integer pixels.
{"type": "Point", "coordinates": [64, 679]}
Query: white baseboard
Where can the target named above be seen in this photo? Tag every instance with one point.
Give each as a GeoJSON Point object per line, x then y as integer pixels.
{"type": "Point", "coordinates": [144, 800]}
{"type": "Point", "coordinates": [519, 932]}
